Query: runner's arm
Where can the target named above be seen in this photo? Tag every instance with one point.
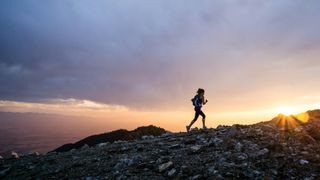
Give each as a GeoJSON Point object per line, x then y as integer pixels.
{"type": "Point", "coordinates": [204, 101]}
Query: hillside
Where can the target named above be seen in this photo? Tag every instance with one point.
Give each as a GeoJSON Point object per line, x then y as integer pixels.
{"type": "Point", "coordinates": [121, 134]}
{"type": "Point", "coordinates": [283, 148]}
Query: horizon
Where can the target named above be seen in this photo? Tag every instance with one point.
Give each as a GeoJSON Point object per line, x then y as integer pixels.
{"type": "Point", "coordinates": [128, 64]}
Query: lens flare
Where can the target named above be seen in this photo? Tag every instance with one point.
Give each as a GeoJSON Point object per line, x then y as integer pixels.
{"type": "Point", "coordinates": [286, 110]}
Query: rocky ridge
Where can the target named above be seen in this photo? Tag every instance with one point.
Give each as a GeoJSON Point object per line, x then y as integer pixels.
{"type": "Point", "coordinates": [276, 149]}
{"type": "Point", "coordinates": [121, 134]}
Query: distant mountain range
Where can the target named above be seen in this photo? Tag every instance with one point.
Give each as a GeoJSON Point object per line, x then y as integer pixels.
{"type": "Point", "coordinates": [121, 134]}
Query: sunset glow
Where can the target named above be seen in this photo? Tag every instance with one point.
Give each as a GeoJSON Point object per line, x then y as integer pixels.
{"type": "Point", "coordinates": [287, 110]}
{"type": "Point", "coordinates": [129, 118]}
{"type": "Point", "coordinates": [107, 65]}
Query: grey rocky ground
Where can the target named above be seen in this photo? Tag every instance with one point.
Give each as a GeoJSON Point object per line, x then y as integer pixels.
{"type": "Point", "coordinates": [259, 151]}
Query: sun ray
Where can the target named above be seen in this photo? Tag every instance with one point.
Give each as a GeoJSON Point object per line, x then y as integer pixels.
{"type": "Point", "coordinates": [286, 110]}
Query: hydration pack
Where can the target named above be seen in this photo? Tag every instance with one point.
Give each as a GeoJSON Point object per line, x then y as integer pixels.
{"type": "Point", "coordinates": [195, 100]}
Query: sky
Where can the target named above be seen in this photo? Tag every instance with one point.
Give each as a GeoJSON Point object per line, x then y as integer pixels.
{"type": "Point", "coordinates": [145, 59]}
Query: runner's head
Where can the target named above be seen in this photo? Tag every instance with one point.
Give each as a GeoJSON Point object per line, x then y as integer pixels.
{"type": "Point", "coordinates": [200, 91]}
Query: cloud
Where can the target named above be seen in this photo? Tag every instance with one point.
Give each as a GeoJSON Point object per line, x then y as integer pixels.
{"type": "Point", "coordinates": [63, 106]}
{"type": "Point", "coordinates": [155, 54]}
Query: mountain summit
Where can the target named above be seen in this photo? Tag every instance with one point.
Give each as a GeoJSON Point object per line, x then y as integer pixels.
{"type": "Point", "coordinates": [287, 147]}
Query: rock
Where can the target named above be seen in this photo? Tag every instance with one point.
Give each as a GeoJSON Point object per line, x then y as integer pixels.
{"type": "Point", "coordinates": [298, 129]}
{"type": "Point", "coordinates": [196, 148]}
{"type": "Point", "coordinates": [102, 144]}
{"type": "Point", "coordinates": [263, 152]}
{"type": "Point", "coordinates": [212, 171]}
{"type": "Point", "coordinates": [84, 147]}
{"type": "Point", "coordinates": [123, 163]}
{"type": "Point", "coordinates": [215, 141]}
{"type": "Point", "coordinates": [73, 150]}
{"type": "Point", "coordinates": [190, 141]}
{"type": "Point", "coordinates": [242, 157]}
{"type": "Point", "coordinates": [75, 157]}
{"type": "Point", "coordinates": [167, 134]}
{"type": "Point", "coordinates": [238, 147]}
{"type": "Point", "coordinates": [175, 146]}
{"type": "Point", "coordinates": [308, 178]}
{"type": "Point", "coordinates": [165, 166]}
{"type": "Point", "coordinates": [274, 172]}
{"type": "Point", "coordinates": [303, 162]}
{"type": "Point", "coordinates": [185, 170]}
{"type": "Point", "coordinates": [118, 142]}
{"type": "Point", "coordinates": [172, 172]}
{"type": "Point", "coordinates": [88, 178]}
{"type": "Point", "coordinates": [4, 172]}
{"type": "Point", "coordinates": [147, 137]}
{"type": "Point", "coordinates": [127, 161]}
{"type": "Point", "coordinates": [252, 146]}
{"type": "Point", "coordinates": [14, 155]}
{"type": "Point", "coordinates": [232, 132]}
{"type": "Point", "coordinates": [256, 173]}
{"type": "Point", "coordinates": [198, 176]}
{"type": "Point", "coordinates": [34, 153]}
{"type": "Point", "coordinates": [1, 157]}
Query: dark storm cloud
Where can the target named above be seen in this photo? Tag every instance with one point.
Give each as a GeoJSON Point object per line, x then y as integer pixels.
{"type": "Point", "coordinates": [149, 54]}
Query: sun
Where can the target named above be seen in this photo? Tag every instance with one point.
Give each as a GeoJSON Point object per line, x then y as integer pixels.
{"type": "Point", "coordinates": [286, 110]}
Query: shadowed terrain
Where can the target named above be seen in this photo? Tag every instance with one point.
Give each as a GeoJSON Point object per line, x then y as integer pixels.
{"type": "Point", "coordinates": [121, 134]}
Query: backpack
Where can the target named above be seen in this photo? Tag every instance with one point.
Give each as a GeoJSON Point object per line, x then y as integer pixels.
{"type": "Point", "coordinates": [195, 100]}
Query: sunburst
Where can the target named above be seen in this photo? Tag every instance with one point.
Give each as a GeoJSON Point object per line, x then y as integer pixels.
{"type": "Point", "coordinates": [286, 110]}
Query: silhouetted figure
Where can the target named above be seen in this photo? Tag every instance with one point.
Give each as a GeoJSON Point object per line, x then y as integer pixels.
{"type": "Point", "coordinates": [197, 102]}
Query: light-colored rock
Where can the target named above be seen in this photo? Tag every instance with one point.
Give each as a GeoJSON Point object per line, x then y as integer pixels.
{"type": "Point", "coordinates": [242, 157]}
{"type": "Point", "coordinates": [196, 148]}
{"type": "Point", "coordinates": [263, 152]}
{"type": "Point", "coordinates": [303, 162]}
{"type": "Point", "coordinates": [175, 146]}
{"type": "Point", "coordinates": [198, 176]}
{"type": "Point", "coordinates": [14, 155]}
{"type": "Point", "coordinates": [212, 170]}
{"type": "Point", "coordinates": [167, 134]}
{"type": "Point", "coordinates": [256, 173]}
{"type": "Point", "coordinates": [165, 166]}
{"type": "Point", "coordinates": [238, 147]}
{"type": "Point", "coordinates": [172, 172]}
{"type": "Point", "coordinates": [103, 144]}
{"type": "Point", "coordinates": [118, 142]}
{"type": "Point", "coordinates": [147, 137]}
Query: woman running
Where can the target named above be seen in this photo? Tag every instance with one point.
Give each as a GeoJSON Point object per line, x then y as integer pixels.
{"type": "Point", "coordinates": [198, 101]}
